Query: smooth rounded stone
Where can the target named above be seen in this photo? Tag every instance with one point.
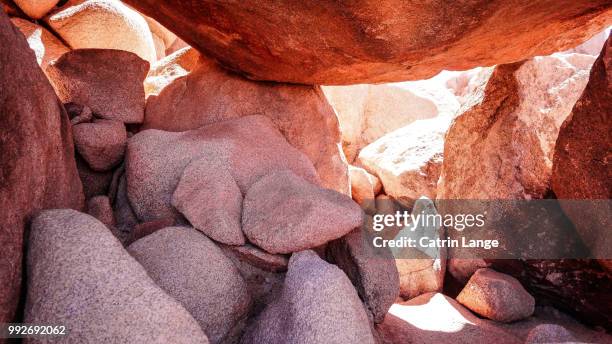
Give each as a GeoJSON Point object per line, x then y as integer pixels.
{"type": "Point", "coordinates": [408, 161]}
{"type": "Point", "coordinates": [193, 270]}
{"type": "Point", "coordinates": [496, 296]}
{"type": "Point", "coordinates": [370, 42]}
{"type": "Point", "coordinates": [581, 167]}
{"type": "Point", "coordinates": [549, 333]}
{"type": "Point", "coordinates": [166, 70]}
{"type": "Point", "coordinates": [156, 159]}
{"type": "Point", "coordinates": [103, 24]}
{"type": "Point", "coordinates": [101, 143]}
{"type": "Point", "coordinates": [364, 188]}
{"type": "Point", "coordinates": [80, 276]}
{"type": "Point", "coordinates": [258, 257]}
{"type": "Point", "coordinates": [373, 273]}
{"type": "Point", "coordinates": [36, 9]}
{"type": "Point", "coordinates": [46, 46]}
{"type": "Point", "coordinates": [114, 92]}
{"type": "Point", "coordinates": [211, 94]}
{"type": "Point", "coordinates": [434, 318]}
{"type": "Point", "coordinates": [318, 304]}
{"type": "Point", "coordinates": [36, 155]}
{"type": "Point", "coordinates": [283, 213]}
{"type": "Point", "coordinates": [209, 198]}
{"type": "Point", "coordinates": [100, 208]}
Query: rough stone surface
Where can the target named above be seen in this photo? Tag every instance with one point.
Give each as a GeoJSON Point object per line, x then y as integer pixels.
{"type": "Point", "coordinates": [143, 229]}
{"type": "Point", "coordinates": [103, 24]}
{"type": "Point", "coordinates": [258, 257]}
{"type": "Point", "coordinates": [114, 92]}
{"type": "Point", "coordinates": [100, 208]}
{"type": "Point", "coordinates": [80, 276]}
{"type": "Point", "coordinates": [375, 41]}
{"type": "Point", "coordinates": [36, 9]}
{"type": "Point", "coordinates": [436, 318]}
{"type": "Point", "coordinates": [408, 161]}
{"type": "Point", "coordinates": [210, 94]}
{"type": "Point", "coordinates": [549, 333]}
{"type": "Point", "coordinates": [208, 196]}
{"type": "Point", "coordinates": [364, 188]}
{"type": "Point", "coordinates": [94, 183]}
{"type": "Point", "coordinates": [172, 67]}
{"type": "Point", "coordinates": [373, 273]}
{"type": "Point", "coordinates": [317, 304]}
{"type": "Point", "coordinates": [36, 155]}
{"type": "Point", "coordinates": [101, 143]}
{"type": "Point", "coordinates": [581, 166]}
{"type": "Point", "coordinates": [156, 159]}
{"type": "Point", "coordinates": [496, 296]}
{"type": "Point", "coordinates": [283, 213]}
{"type": "Point", "coordinates": [45, 45]}
{"type": "Point", "coordinates": [78, 113]}
{"type": "Point", "coordinates": [193, 270]}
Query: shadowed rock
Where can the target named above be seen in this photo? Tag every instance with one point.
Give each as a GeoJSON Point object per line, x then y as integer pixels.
{"type": "Point", "coordinates": [101, 143]}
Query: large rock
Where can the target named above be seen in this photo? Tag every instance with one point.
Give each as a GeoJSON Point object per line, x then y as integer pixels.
{"type": "Point", "coordinates": [36, 155]}
{"type": "Point", "coordinates": [283, 213]}
{"type": "Point", "coordinates": [581, 170]}
{"type": "Point", "coordinates": [156, 159]}
{"type": "Point", "coordinates": [172, 67]}
{"type": "Point", "coordinates": [81, 277]}
{"type": "Point", "coordinates": [208, 196]}
{"type": "Point", "coordinates": [114, 91]}
{"type": "Point", "coordinates": [368, 112]}
{"type": "Point", "coordinates": [408, 161]}
{"type": "Point", "coordinates": [436, 318]}
{"type": "Point", "coordinates": [373, 274]}
{"type": "Point", "coordinates": [496, 296]}
{"type": "Point", "coordinates": [103, 24]}
{"type": "Point", "coordinates": [375, 41]}
{"type": "Point", "coordinates": [45, 45]}
{"type": "Point", "coordinates": [36, 9]}
{"type": "Point", "coordinates": [193, 270]}
{"type": "Point", "coordinates": [101, 143]}
{"type": "Point", "coordinates": [318, 304]}
{"type": "Point", "coordinates": [210, 94]}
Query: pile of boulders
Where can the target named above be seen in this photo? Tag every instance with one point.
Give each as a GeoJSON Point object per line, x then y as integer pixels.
{"type": "Point", "coordinates": [166, 195]}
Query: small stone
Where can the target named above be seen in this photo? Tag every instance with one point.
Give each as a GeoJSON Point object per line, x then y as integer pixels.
{"type": "Point", "coordinates": [101, 143]}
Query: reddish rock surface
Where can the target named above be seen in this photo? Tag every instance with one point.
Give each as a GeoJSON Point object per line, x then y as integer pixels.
{"type": "Point", "coordinates": [581, 166]}
{"type": "Point", "coordinates": [326, 43]}
{"type": "Point", "coordinates": [115, 91]}
{"type": "Point", "coordinates": [101, 143]}
{"type": "Point", "coordinates": [100, 208]}
{"type": "Point", "coordinates": [36, 155]}
{"type": "Point", "coordinates": [210, 94]}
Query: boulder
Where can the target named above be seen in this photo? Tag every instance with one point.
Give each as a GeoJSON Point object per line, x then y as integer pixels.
{"type": "Point", "coordinates": [436, 318]}
{"type": "Point", "coordinates": [156, 159]}
{"type": "Point", "coordinates": [364, 188]}
{"type": "Point", "coordinates": [408, 161]}
{"type": "Point", "coordinates": [496, 296]}
{"type": "Point", "coordinates": [373, 273]}
{"type": "Point", "coordinates": [103, 24]}
{"type": "Point", "coordinates": [374, 41]}
{"type": "Point", "coordinates": [283, 213]}
{"type": "Point", "coordinates": [193, 270]}
{"type": "Point", "coordinates": [46, 46]}
{"type": "Point", "coordinates": [36, 9]}
{"type": "Point", "coordinates": [94, 183]}
{"type": "Point", "coordinates": [81, 277]}
{"type": "Point", "coordinates": [166, 70]}
{"type": "Point", "coordinates": [581, 170]}
{"type": "Point", "coordinates": [114, 92]}
{"type": "Point", "coordinates": [209, 198]}
{"type": "Point", "coordinates": [211, 94]}
{"type": "Point", "coordinates": [36, 155]}
{"type": "Point", "coordinates": [101, 143]}
{"type": "Point", "coordinates": [317, 304]}
{"type": "Point", "coordinates": [100, 208]}
{"type": "Point", "coordinates": [549, 333]}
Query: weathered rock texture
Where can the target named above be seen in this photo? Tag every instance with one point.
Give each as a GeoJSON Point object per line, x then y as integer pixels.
{"type": "Point", "coordinates": [375, 41]}
{"type": "Point", "coordinates": [45, 45]}
{"type": "Point", "coordinates": [210, 94]}
{"type": "Point", "coordinates": [193, 270]}
{"type": "Point", "coordinates": [318, 304]}
{"type": "Point", "coordinates": [114, 91]}
{"type": "Point", "coordinates": [156, 159]}
{"type": "Point", "coordinates": [103, 24]}
{"type": "Point", "coordinates": [166, 70]}
{"type": "Point", "coordinates": [283, 213]}
{"type": "Point", "coordinates": [36, 155]}
{"type": "Point", "coordinates": [581, 166]}
{"type": "Point", "coordinates": [101, 143]}
{"type": "Point", "coordinates": [364, 188]}
{"type": "Point", "coordinates": [36, 9]}
{"type": "Point", "coordinates": [80, 276]}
